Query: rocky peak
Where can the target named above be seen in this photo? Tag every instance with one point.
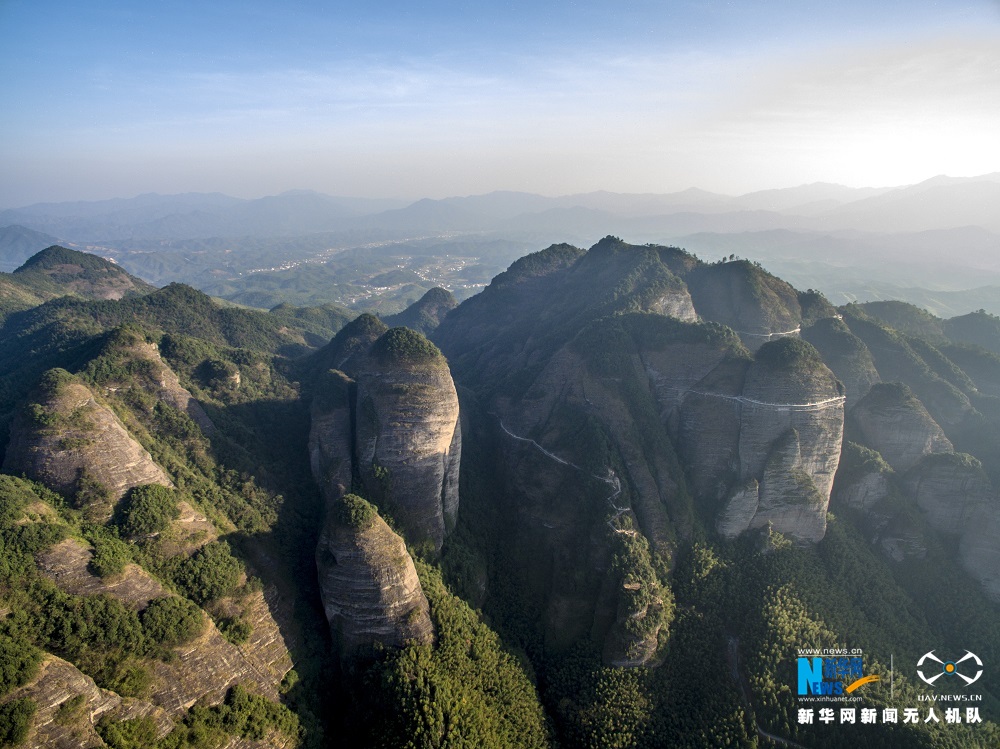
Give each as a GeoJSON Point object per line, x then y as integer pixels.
{"type": "Point", "coordinates": [59, 270]}
{"type": "Point", "coordinates": [846, 355]}
{"type": "Point", "coordinates": [368, 582]}
{"type": "Point", "coordinates": [425, 314]}
{"type": "Point", "coordinates": [408, 436]}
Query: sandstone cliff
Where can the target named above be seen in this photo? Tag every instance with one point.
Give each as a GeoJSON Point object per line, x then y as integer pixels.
{"type": "Point", "coordinates": [774, 441]}
{"type": "Point", "coordinates": [145, 368]}
{"type": "Point", "coordinates": [70, 704]}
{"type": "Point", "coordinates": [895, 423]}
{"type": "Point", "coordinates": [207, 666]}
{"type": "Point", "coordinates": [369, 585]}
{"type": "Point", "coordinates": [68, 440]}
{"type": "Point", "coordinates": [395, 430]}
{"type": "Point", "coordinates": [408, 435]}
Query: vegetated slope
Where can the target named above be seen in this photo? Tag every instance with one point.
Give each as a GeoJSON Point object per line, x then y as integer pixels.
{"type": "Point", "coordinates": [146, 581]}
{"type": "Point", "coordinates": [614, 445]}
{"type": "Point", "coordinates": [425, 314]}
{"type": "Point", "coordinates": [664, 494]}
{"type": "Point", "coordinates": [57, 271]}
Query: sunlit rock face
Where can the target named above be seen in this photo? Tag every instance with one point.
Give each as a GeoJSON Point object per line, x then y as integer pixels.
{"type": "Point", "coordinates": [408, 438]}
{"type": "Point", "coordinates": [67, 440]}
{"type": "Point", "coordinates": [391, 423]}
{"type": "Point", "coordinates": [763, 440]}
{"type": "Point", "coordinates": [369, 585]}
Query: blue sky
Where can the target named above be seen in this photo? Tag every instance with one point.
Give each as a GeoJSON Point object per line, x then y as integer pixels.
{"type": "Point", "coordinates": [450, 98]}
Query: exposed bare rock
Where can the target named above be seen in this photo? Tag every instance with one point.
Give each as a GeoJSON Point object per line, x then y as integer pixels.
{"type": "Point", "coordinates": [168, 388]}
{"type": "Point", "coordinates": [67, 435]}
{"type": "Point", "coordinates": [895, 423]}
{"type": "Point", "coordinates": [710, 420]}
{"type": "Point", "coordinates": [56, 683]}
{"type": "Point", "coordinates": [369, 584]}
{"type": "Point", "coordinates": [66, 565]}
{"type": "Point", "coordinates": [331, 437]}
{"type": "Point", "coordinates": [267, 649]}
{"type": "Point", "coordinates": [901, 540]}
{"type": "Point", "coordinates": [190, 531]}
{"type": "Point", "coordinates": [739, 510]}
{"type": "Point", "coordinates": [790, 500]}
{"type": "Point", "coordinates": [846, 355]}
{"type": "Point", "coordinates": [865, 491]}
{"type": "Point", "coordinates": [950, 489]}
{"type": "Point", "coordinates": [897, 361]}
{"type": "Point", "coordinates": [762, 440]}
{"type": "Point", "coordinates": [789, 388]}
{"type": "Point", "coordinates": [408, 435]}
{"type": "Point", "coordinates": [207, 666]}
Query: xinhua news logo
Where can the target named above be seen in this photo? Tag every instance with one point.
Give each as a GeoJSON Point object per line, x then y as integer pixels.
{"type": "Point", "coordinates": [960, 672]}
{"type": "Point", "coordinates": [832, 675]}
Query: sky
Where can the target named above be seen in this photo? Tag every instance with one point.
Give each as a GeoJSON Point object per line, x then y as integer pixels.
{"type": "Point", "coordinates": [429, 99]}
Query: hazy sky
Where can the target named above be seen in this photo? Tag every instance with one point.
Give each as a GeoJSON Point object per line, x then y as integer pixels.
{"type": "Point", "coordinates": [410, 99]}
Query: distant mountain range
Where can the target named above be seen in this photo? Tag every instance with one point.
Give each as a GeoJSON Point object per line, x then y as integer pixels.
{"type": "Point", "coordinates": [920, 242]}
{"type": "Point", "coordinates": [938, 203]}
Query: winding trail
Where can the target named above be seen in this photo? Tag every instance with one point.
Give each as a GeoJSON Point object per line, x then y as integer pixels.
{"type": "Point", "coordinates": [733, 656]}
{"type": "Point", "coordinates": [611, 479]}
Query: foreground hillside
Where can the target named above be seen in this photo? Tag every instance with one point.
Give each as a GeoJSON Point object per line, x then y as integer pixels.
{"type": "Point", "coordinates": [609, 501]}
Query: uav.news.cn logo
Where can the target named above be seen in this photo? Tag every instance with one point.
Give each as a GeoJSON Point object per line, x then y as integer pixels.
{"type": "Point", "coordinates": [930, 669]}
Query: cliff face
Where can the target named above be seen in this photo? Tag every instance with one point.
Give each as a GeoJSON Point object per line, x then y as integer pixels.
{"type": "Point", "coordinates": [369, 585]}
{"type": "Point", "coordinates": [898, 361]}
{"type": "Point", "coordinates": [67, 438]}
{"type": "Point", "coordinates": [765, 438]}
{"type": "Point", "coordinates": [896, 424]}
{"type": "Point", "coordinates": [165, 385]}
{"type": "Point", "coordinates": [409, 439]}
{"type": "Point", "coordinates": [396, 428]}
{"type": "Point", "coordinates": [331, 435]}
{"type": "Point", "coordinates": [950, 489]}
{"type": "Point", "coordinates": [56, 684]}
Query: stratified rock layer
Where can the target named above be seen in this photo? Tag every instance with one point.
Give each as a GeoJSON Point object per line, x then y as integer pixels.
{"type": "Point", "coordinates": [371, 593]}
{"type": "Point", "coordinates": [68, 436]}
{"type": "Point", "coordinates": [409, 444]}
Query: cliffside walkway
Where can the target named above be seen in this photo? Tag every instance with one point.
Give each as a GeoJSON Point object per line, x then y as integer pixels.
{"type": "Point", "coordinates": [814, 406]}
{"type": "Point", "coordinates": [769, 335]}
{"type": "Point", "coordinates": [611, 479]}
